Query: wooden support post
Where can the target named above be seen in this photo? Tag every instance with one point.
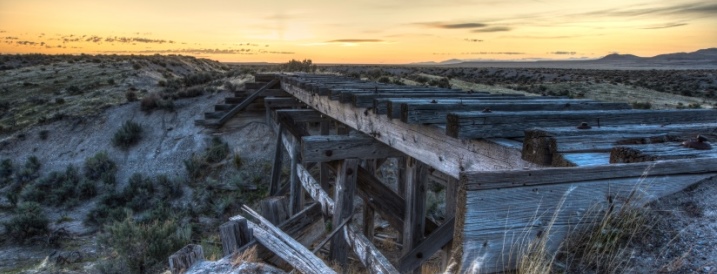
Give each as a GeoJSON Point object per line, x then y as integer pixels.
{"type": "Point", "coordinates": [324, 167]}
{"type": "Point", "coordinates": [234, 235]}
{"type": "Point", "coordinates": [344, 199]}
{"type": "Point", "coordinates": [414, 221]}
{"type": "Point", "coordinates": [451, 194]}
{"type": "Point", "coordinates": [401, 187]}
{"type": "Point", "coordinates": [183, 259]}
{"type": "Point", "coordinates": [368, 210]}
{"type": "Point", "coordinates": [296, 192]}
{"type": "Point", "coordinates": [276, 169]}
{"type": "Point", "coordinates": [274, 209]}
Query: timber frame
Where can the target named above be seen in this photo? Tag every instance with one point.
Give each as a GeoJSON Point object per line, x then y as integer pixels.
{"type": "Point", "coordinates": [510, 164]}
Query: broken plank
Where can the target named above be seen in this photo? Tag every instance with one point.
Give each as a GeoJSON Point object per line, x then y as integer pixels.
{"type": "Point", "coordinates": [366, 252]}
{"type": "Point", "coordinates": [284, 246]}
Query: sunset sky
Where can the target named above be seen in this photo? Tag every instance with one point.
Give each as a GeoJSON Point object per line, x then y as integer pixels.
{"type": "Point", "coordinates": [365, 31]}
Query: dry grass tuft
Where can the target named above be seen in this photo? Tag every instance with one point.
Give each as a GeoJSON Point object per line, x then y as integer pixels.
{"type": "Point", "coordinates": [250, 255]}
{"type": "Point", "coordinates": [599, 245]}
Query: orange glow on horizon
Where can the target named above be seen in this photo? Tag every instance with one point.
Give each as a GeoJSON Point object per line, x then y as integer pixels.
{"type": "Point", "coordinates": [365, 32]}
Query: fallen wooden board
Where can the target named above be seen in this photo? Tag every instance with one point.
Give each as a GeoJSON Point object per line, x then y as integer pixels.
{"type": "Point", "coordinates": [285, 247]}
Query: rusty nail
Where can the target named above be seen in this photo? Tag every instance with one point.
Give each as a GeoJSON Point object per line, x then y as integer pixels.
{"type": "Point", "coordinates": [487, 110]}
{"type": "Point", "coordinates": [329, 153]}
{"type": "Point", "coordinates": [433, 101]}
{"type": "Point", "coordinates": [584, 125]}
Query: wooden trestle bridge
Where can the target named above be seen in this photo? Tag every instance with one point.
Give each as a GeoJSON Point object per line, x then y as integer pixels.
{"type": "Point", "coordinates": [515, 168]}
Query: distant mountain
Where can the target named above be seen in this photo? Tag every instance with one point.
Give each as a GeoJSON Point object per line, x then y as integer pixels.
{"type": "Point", "coordinates": [616, 57]}
{"type": "Point", "coordinates": [700, 56]}
{"type": "Point", "coordinates": [701, 59]}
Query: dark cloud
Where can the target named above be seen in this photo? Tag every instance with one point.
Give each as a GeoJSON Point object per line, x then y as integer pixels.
{"type": "Point", "coordinates": [666, 26]}
{"type": "Point", "coordinates": [355, 41]}
{"type": "Point", "coordinates": [472, 40]}
{"type": "Point", "coordinates": [198, 51]}
{"type": "Point", "coordinates": [562, 52]}
{"type": "Point", "coordinates": [10, 38]}
{"type": "Point", "coordinates": [441, 25]}
{"type": "Point", "coordinates": [541, 37]}
{"type": "Point", "coordinates": [701, 9]}
{"type": "Point", "coordinates": [3, 31]}
{"type": "Point", "coordinates": [492, 29]}
{"type": "Point", "coordinates": [26, 43]}
{"type": "Point", "coordinates": [493, 53]}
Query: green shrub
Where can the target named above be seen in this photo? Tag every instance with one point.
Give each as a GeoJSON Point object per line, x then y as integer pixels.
{"type": "Point", "coordinates": [6, 171]}
{"type": "Point", "coordinates": [28, 220]}
{"type": "Point", "coordinates": [145, 247]}
{"type": "Point", "coordinates": [128, 135]}
{"type": "Point", "coordinates": [384, 79]}
{"type": "Point", "coordinates": [100, 167]}
{"type": "Point", "coordinates": [29, 172]}
{"type": "Point", "coordinates": [195, 167]}
{"type": "Point", "coordinates": [641, 105]}
{"type": "Point", "coordinates": [217, 151]}
{"type": "Point", "coordinates": [60, 189]}
{"type": "Point", "coordinates": [74, 90]}
{"type": "Point", "coordinates": [44, 134]}
{"type": "Point", "coordinates": [131, 96]}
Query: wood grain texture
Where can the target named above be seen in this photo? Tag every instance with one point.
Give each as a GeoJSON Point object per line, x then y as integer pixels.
{"type": "Point", "coordinates": [653, 152]}
{"type": "Point", "coordinates": [344, 193]}
{"type": "Point", "coordinates": [315, 191]}
{"type": "Point", "coordinates": [336, 147]}
{"type": "Point", "coordinates": [492, 237]}
{"type": "Point", "coordinates": [469, 125]}
{"type": "Point", "coordinates": [547, 176]}
{"type": "Point", "coordinates": [367, 253]}
{"type": "Point", "coordinates": [436, 113]}
{"type": "Point", "coordinates": [427, 247]}
{"type": "Point", "coordinates": [285, 246]}
{"type": "Point", "coordinates": [448, 155]}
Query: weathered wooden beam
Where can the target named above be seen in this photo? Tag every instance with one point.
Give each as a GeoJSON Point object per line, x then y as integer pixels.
{"type": "Point", "coordinates": [498, 180]}
{"type": "Point", "coordinates": [337, 147]}
{"type": "Point", "coordinates": [344, 196]}
{"type": "Point", "coordinates": [367, 100]}
{"type": "Point", "coordinates": [451, 194]}
{"type": "Point", "coordinates": [427, 247]}
{"type": "Point", "coordinates": [413, 222]}
{"type": "Point", "coordinates": [234, 235]}
{"type": "Point", "coordinates": [306, 227]}
{"type": "Point", "coordinates": [275, 209]}
{"type": "Point", "coordinates": [245, 103]}
{"type": "Point", "coordinates": [316, 191]}
{"type": "Point", "coordinates": [467, 125]}
{"type": "Point", "coordinates": [429, 144]}
{"type": "Point", "coordinates": [183, 259]}
{"type": "Point", "coordinates": [282, 102]}
{"type": "Point", "coordinates": [436, 113]}
{"type": "Point", "coordinates": [653, 152]}
{"type": "Point", "coordinates": [277, 163]}
{"type": "Point", "coordinates": [368, 211]}
{"type": "Point", "coordinates": [494, 238]}
{"type": "Point", "coordinates": [393, 105]}
{"type": "Point", "coordinates": [323, 166]}
{"type": "Point", "coordinates": [296, 192]}
{"type": "Point", "coordinates": [366, 252]}
{"type": "Point", "coordinates": [284, 246]}
{"type": "Point", "coordinates": [301, 115]}
{"type": "Point", "coordinates": [264, 77]}
{"type": "Point", "coordinates": [549, 146]}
